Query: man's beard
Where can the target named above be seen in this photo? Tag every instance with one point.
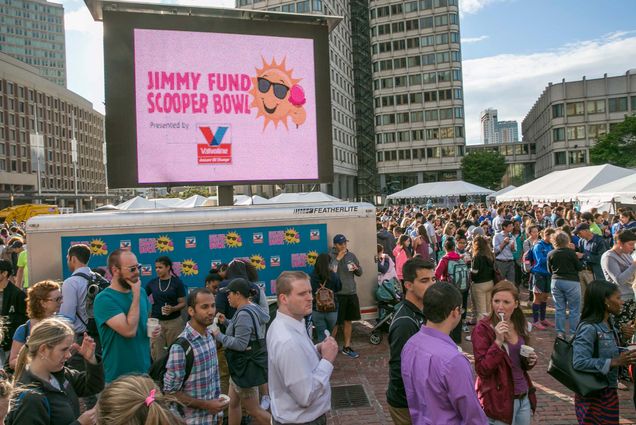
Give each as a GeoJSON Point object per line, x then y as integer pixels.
{"type": "Point", "coordinates": [124, 284]}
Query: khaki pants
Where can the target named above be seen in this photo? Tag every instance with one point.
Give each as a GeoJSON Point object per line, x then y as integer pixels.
{"type": "Point", "coordinates": [585, 277]}
{"type": "Point", "coordinates": [400, 415]}
{"type": "Point", "coordinates": [170, 331]}
{"type": "Point", "coordinates": [482, 295]}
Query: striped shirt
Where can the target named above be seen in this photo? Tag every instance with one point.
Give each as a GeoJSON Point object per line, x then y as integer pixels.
{"type": "Point", "coordinates": [203, 382]}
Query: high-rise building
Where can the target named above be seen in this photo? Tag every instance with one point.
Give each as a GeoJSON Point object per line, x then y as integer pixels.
{"type": "Point", "coordinates": [32, 31]}
{"type": "Point", "coordinates": [417, 86]}
{"type": "Point", "coordinates": [495, 131]}
{"type": "Point", "coordinates": [39, 121]}
{"type": "Point", "coordinates": [568, 118]}
{"type": "Point", "coordinates": [347, 92]}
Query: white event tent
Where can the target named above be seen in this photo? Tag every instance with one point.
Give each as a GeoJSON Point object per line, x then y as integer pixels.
{"type": "Point", "coordinates": [506, 189]}
{"type": "Point", "coordinates": [441, 190]}
{"type": "Point", "coordinates": [302, 197]}
{"type": "Point", "coordinates": [251, 200]}
{"type": "Point", "coordinates": [566, 185]}
{"type": "Point", "coordinates": [621, 191]}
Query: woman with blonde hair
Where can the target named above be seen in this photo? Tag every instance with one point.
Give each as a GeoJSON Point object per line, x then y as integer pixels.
{"type": "Point", "coordinates": [135, 400]}
{"type": "Point", "coordinates": [48, 391]}
{"type": "Point", "coordinates": [44, 300]}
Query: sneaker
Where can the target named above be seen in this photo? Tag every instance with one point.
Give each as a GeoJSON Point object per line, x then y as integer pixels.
{"type": "Point", "coordinates": [539, 326]}
{"type": "Point", "coordinates": [547, 323]}
{"type": "Point", "coordinates": [347, 351]}
{"type": "Point", "coordinates": [468, 338]}
{"type": "Point", "coordinates": [265, 402]}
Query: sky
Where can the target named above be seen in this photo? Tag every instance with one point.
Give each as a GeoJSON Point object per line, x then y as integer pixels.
{"type": "Point", "coordinates": [511, 49]}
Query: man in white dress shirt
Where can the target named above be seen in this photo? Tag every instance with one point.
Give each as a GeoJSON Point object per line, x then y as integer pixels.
{"type": "Point", "coordinates": [299, 371]}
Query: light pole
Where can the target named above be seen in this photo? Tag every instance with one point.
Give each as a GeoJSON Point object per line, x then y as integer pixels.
{"type": "Point", "coordinates": [37, 151]}
{"type": "Point", "coordinates": [104, 156]}
{"type": "Point", "coordinates": [74, 158]}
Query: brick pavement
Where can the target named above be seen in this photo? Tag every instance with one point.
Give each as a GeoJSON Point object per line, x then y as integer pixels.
{"type": "Point", "coordinates": [555, 402]}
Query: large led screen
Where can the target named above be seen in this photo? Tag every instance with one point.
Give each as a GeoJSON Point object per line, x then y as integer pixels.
{"type": "Point", "coordinates": [237, 105]}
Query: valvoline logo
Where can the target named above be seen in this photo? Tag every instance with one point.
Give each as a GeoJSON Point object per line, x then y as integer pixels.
{"type": "Point", "coordinates": [218, 146]}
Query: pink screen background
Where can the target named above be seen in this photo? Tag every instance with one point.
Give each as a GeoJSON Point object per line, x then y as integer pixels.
{"type": "Point", "coordinates": [170, 154]}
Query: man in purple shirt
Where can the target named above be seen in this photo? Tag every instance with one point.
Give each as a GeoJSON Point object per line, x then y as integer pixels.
{"type": "Point", "coordinates": [437, 377]}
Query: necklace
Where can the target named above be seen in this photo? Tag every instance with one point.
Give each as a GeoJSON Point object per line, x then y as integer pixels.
{"type": "Point", "coordinates": [164, 290]}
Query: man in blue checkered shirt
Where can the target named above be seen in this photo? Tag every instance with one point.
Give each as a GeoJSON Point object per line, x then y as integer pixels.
{"type": "Point", "coordinates": [200, 392]}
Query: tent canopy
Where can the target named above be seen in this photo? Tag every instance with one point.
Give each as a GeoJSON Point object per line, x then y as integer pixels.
{"type": "Point", "coordinates": [502, 191]}
{"type": "Point", "coordinates": [137, 203]}
{"type": "Point", "coordinates": [252, 200]}
{"type": "Point", "coordinates": [565, 185]}
{"type": "Point", "coordinates": [302, 197]}
{"type": "Point", "coordinates": [193, 201]}
{"type": "Point", "coordinates": [440, 190]}
{"type": "Point", "coordinates": [622, 190]}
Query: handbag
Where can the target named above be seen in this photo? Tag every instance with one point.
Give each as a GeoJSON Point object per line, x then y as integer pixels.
{"type": "Point", "coordinates": [249, 368]}
{"type": "Point", "coordinates": [562, 369]}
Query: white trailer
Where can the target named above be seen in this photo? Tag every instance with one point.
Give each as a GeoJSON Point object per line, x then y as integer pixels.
{"type": "Point", "coordinates": [273, 237]}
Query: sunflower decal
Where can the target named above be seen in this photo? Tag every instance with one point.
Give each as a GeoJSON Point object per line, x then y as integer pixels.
{"type": "Point", "coordinates": [277, 96]}
{"type": "Point", "coordinates": [292, 236]}
{"type": "Point", "coordinates": [189, 268]}
{"type": "Point", "coordinates": [233, 240]}
{"type": "Point", "coordinates": [98, 247]}
{"type": "Point", "coordinates": [164, 244]}
{"type": "Point", "coordinates": [311, 258]}
{"type": "Point", "coordinates": [257, 261]}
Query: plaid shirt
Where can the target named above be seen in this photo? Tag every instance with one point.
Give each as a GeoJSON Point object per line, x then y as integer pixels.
{"type": "Point", "coordinates": [203, 383]}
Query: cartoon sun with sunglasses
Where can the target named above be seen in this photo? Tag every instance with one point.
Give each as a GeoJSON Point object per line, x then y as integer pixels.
{"type": "Point", "coordinates": [277, 95]}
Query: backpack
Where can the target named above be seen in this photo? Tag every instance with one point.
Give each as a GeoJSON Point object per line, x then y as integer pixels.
{"type": "Point", "coordinates": [325, 299]}
{"type": "Point", "coordinates": [95, 284]}
{"type": "Point", "coordinates": [458, 274]}
{"type": "Point", "coordinates": [157, 370]}
{"type": "Point", "coordinates": [11, 419]}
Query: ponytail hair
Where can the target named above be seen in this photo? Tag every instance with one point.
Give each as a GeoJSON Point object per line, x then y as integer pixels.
{"type": "Point", "coordinates": [49, 332]}
{"type": "Point", "coordinates": [135, 400]}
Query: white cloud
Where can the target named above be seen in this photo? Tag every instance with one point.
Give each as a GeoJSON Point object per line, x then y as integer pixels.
{"type": "Point", "coordinates": [474, 39]}
{"type": "Point", "coordinates": [474, 6]}
{"type": "Point", "coordinates": [512, 83]}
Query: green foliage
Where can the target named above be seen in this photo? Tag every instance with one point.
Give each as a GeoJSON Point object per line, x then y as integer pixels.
{"type": "Point", "coordinates": [190, 191]}
{"type": "Point", "coordinates": [484, 168]}
{"type": "Point", "coordinates": [618, 147]}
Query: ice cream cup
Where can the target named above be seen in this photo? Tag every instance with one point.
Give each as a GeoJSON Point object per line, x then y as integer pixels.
{"type": "Point", "coordinates": [526, 350]}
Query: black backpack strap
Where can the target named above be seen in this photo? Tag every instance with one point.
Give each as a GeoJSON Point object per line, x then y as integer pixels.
{"type": "Point", "coordinates": [253, 316]}
{"type": "Point", "coordinates": [189, 356]}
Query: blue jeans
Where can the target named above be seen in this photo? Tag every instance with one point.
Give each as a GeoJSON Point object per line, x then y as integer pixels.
{"type": "Point", "coordinates": [522, 413]}
{"type": "Point", "coordinates": [324, 321]}
{"type": "Point", "coordinates": [566, 293]}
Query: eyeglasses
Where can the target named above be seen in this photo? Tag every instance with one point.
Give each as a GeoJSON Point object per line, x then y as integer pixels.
{"type": "Point", "coordinates": [57, 300]}
{"type": "Point", "coordinates": [280, 90]}
{"type": "Point", "coordinates": [132, 269]}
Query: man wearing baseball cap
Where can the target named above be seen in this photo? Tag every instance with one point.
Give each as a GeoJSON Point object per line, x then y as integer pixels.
{"type": "Point", "coordinates": [590, 250]}
{"type": "Point", "coordinates": [346, 264]}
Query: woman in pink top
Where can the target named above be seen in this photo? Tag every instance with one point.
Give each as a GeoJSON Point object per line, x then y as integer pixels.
{"type": "Point", "coordinates": [401, 254]}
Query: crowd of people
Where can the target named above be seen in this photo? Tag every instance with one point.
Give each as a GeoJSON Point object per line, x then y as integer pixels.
{"type": "Point", "coordinates": [94, 351]}
{"type": "Point", "coordinates": [583, 262]}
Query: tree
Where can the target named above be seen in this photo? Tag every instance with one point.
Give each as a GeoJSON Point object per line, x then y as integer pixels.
{"type": "Point", "coordinates": [618, 147]}
{"type": "Point", "coordinates": [484, 168]}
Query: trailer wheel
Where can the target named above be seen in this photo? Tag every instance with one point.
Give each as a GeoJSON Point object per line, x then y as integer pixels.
{"type": "Point", "coordinates": [375, 338]}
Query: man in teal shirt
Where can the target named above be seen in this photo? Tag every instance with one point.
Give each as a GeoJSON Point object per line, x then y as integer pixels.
{"type": "Point", "coordinates": [121, 312]}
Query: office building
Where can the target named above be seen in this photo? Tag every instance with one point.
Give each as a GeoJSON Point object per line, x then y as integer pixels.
{"type": "Point", "coordinates": [568, 118]}
{"type": "Point", "coordinates": [520, 159]}
{"type": "Point", "coordinates": [417, 85]}
{"type": "Point", "coordinates": [40, 119]}
{"type": "Point", "coordinates": [32, 31]}
{"type": "Point", "coordinates": [495, 131]}
{"type": "Point", "coordinates": [351, 106]}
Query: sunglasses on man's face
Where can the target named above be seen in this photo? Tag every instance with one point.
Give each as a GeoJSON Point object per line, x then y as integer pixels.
{"type": "Point", "coordinates": [280, 90]}
{"type": "Point", "coordinates": [132, 269]}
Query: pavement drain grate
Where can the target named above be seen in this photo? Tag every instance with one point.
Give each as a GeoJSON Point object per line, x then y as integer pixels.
{"type": "Point", "coordinates": [348, 396]}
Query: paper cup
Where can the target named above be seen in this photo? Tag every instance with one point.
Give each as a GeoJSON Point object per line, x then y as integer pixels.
{"type": "Point", "coordinates": [526, 350]}
{"type": "Point", "coordinates": [151, 325]}
{"type": "Point", "coordinates": [631, 347]}
{"type": "Point", "coordinates": [225, 398]}
{"type": "Point", "coordinates": [350, 266]}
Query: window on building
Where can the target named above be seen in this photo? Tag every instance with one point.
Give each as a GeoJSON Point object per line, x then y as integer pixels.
{"type": "Point", "coordinates": [559, 158]}
{"type": "Point", "coordinates": [633, 99]}
{"type": "Point", "coordinates": [576, 157]}
{"type": "Point", "coordinates": [417, 135]}
{"type": "Point", "coordinates": [390, 155]}
{"type": "Point", "coordinates": [412, 25]}
{"type": "Point", "coordinates": [426, 41]}
{"type": "Point", "coordinates": [557, 110]}
{"type": "Point", "coordinates": [595, 106]}
{"type": "Point", "coordinates": [400, 81]}
{"type": "Point", "coordinates": [399, 63]}
{"type": "Point", "coordinates": [431, 115]}
{"type": "Point", "coordinates": [426, 4]}
{"type": "Point", "coordinates": [417, 116]}
{"type": "Point", "coordinates": [576, 133]}
{"type": "Point", "coordinates": [402, 99]}
{"type": "Point", "coordinates": [617, 104]}
{"type": "Point", "coordinates": [446, 133]}
{"type": "Point", "coordinates": [446, 114]}
{"type": "Point", "coordinates": [432, 133]}
{"type": "Point", "coordinates": [426, 23]}
{"type": "Point", "coordinates": [397, 27]}
{"type": "Point", "coordinates": [402, 117]}
{"type": "Point", "coordinates": [410, 6]}
{"type": "Point", "coordinates": [445, 94]}
{"type": "Point", "coordinates": [459, 112]}
{"type": "Point", "coordinates": [558, 134]}
{"type": "Point", "coordinates": [575, 108]}
{"type": "Point", "coordinates": [414, 61]}
{"type": "Point", "coordinates": [396, 9]}
{"type": "Point", "coordinates": [433, 152]}
{"type": "Point", "coordinates": [430, 96]}
{"type": "Point", "coordinates": [380, 156]}
{"type": "Point", "coordinates": [415, 98]}
{"type": "Point", "coordinates": [594, 131]}
{"type": "Point", "coordinates": [415, 79]}
{"type": "Point", "coordinates": [429, 77]}
{"type": "Point", "coordinates": [404, 154]}
{"type": "Point", "coordinates": [403, 136]}
{"type": "Point", "coordinates": [303, 7]}
{"type": "Point", "coordinates": [459, 131]}
{"type": "Point", "coordinates": [413, 43]}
